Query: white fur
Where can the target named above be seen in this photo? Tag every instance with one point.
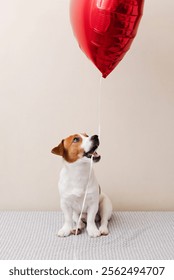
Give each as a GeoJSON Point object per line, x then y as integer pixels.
{"type": "Point", "coordinates": [86, 143]}
{"type": "Point", "coordinates": [74, 178]}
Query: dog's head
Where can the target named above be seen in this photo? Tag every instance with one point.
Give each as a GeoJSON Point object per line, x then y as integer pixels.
{"type": "Point", "coordinates": [78, 147]}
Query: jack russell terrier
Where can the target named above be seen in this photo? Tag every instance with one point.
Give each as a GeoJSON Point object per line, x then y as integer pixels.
{"type": "Point", "coordinates": [77, 151]}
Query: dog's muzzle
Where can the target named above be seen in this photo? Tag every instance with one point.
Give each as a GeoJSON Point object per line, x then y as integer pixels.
{"type": "Point", "coordinates": [92, 152]}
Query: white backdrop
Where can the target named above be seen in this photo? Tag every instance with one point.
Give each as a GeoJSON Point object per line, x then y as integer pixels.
{"type": "Point", "coordinates": [49, 89]}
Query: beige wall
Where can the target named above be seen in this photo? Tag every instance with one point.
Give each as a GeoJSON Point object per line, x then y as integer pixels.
{"type": "Point", "coordinates": [49, 89]}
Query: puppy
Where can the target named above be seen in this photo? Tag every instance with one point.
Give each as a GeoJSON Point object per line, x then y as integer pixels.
{"type": "Point", "coordinates": [77, 151]}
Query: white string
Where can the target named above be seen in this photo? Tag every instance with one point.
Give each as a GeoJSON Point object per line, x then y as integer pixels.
{"type": "Point", "coordinates": [91, 164]}
{"type": "Point", "coordinates": [84, 199]}
{"type": "Point", "coordinates": [99, 108]}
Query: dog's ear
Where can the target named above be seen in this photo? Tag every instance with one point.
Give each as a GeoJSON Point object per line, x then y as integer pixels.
{"type": "Point", "coordinates": [59, 150]}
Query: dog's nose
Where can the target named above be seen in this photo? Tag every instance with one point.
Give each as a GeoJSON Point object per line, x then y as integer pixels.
{"type": "Point", "coordinates": [94, 138]}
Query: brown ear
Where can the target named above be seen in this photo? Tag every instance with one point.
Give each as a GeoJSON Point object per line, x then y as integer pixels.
{"type": "Point", "coordinates": [59, 150]}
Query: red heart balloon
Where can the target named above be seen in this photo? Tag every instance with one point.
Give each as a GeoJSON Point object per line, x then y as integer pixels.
{"type": "Point", "coordinates": [105, 29]}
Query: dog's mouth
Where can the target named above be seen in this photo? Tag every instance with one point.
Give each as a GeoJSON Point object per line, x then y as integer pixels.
{"type": "Point", "coordinates": [93, 154]}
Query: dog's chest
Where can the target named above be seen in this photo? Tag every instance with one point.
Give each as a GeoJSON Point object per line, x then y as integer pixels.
{"type": "Point", "coordinates": [72, 187]}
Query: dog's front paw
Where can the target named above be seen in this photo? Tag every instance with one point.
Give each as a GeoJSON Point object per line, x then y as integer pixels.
{"type": "Point", "coordinates": [93, 232]}
{"type": "Point", "coordinates": [64, 231]}
{"type": "Point", "coordinates": [103, 230]}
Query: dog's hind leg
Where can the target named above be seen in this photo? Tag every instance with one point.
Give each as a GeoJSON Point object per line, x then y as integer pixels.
{"type": "Point", "coordinates": [105, 210]}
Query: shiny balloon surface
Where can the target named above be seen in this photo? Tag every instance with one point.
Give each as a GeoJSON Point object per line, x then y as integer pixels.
{"type": "Point", "coordinates": [105, 29]}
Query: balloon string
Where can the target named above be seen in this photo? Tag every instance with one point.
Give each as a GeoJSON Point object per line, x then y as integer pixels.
{"type": "Point", "coordinates": [91, 165]}
{"type": "Point", "coordinates": [84, 199]}
{"type": "Point", "coordinates": [99, 108]}
{"type": "Point", "coordinates": [75, 245]}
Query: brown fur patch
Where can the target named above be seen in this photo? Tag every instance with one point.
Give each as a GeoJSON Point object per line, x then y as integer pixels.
{"type": "Point", "coordinates": [84, 134]}
{"type": "Point", "coordinates": [59, 150]}
{"type": "Point", "coordinates": [69, 149]}
{"type": "Point", "coordinates": [72, 151]}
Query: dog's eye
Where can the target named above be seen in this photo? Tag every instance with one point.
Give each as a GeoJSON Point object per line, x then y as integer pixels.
{"type": "Point", "coordinates": [76, 139]}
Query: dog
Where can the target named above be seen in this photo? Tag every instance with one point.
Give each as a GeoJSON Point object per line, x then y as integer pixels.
{"type": "Point", "coordinates": [78, 151]}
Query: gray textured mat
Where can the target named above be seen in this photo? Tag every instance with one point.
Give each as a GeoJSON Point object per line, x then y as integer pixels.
{"type": "Point", "coordinates": [133, 235]}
